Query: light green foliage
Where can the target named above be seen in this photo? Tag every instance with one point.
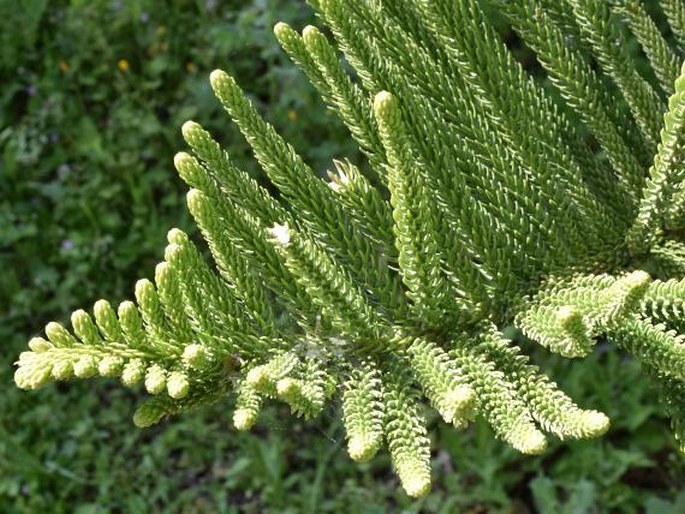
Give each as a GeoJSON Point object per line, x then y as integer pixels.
{"type": "Point", "coordinates": [363, 410]}
{"type": "Point", "coordinates": [567, 316]}
{"type": "Point", "coordinates": [405, 433]}
{"type": "Point", "coordinates": [489, 204]}
{"type": "Point", "coordinates": [449, 392]}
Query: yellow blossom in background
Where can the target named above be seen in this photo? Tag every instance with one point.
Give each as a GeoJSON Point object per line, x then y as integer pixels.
{"type": "Point", "coordinates": [190, 67]}
{"type": "Point", "coordinates": [123, 65]}
{"type": "Point", "coordinates": [292, 114]}
{"type": "Point", "coordinates": [64, 66]}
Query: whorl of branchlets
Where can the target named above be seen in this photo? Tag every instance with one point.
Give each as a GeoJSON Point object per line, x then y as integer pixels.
{"type": "Point", "coordinates": [389, 286]}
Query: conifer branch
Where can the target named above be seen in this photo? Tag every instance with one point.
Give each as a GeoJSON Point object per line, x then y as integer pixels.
{"type": "Point", "coordinates": [664, 60]}
{"type": "Point", "coordinates": [665, 176]}
{"type": "Point", "coordinates": [675, 12]}
{"type": "Point", "coordinates": [489, 203]}
{"type": "Point", "coordinates": [600, 30]}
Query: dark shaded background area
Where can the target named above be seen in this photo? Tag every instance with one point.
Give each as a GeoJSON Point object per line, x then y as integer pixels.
{"type": "Point", "coordinates": [92, 97]}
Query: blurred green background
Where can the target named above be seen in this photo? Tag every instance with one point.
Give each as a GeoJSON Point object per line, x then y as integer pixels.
{"type": "Point", "coordinates": [92, 97]}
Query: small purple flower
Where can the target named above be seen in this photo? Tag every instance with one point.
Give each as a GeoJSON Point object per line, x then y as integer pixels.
{"type": "Point", "coordinates": [67, 244]}
{"type": "Point", "coordinates": [54, 137]}
{"type": "Point", "coordinates": [144, 17]}
{"type": "Point", "coordinates": [31, 90]}
{"type": "Point", "coordinates": [25, 489]}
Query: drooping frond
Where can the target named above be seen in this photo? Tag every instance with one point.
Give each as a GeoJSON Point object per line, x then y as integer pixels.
{"type": "Point", "coordinates": [405, 433]}
{"type": "Point", "coordinates": [363, 410]}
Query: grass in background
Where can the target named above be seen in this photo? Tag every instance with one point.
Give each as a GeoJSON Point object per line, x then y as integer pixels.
{"type": "Point", "coordinates": [90, 114]}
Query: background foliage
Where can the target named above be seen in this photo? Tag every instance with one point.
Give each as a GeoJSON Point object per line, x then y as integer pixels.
{"type": "Point", "coordinates": [92, 98]}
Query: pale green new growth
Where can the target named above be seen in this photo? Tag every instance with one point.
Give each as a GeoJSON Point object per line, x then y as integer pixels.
{"type": "Point", "coordinates": [405, 433]}
{"type": "Point", "coordinates": [487, 201]}
{"type": "Point", "coordinates": [363, 410]}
